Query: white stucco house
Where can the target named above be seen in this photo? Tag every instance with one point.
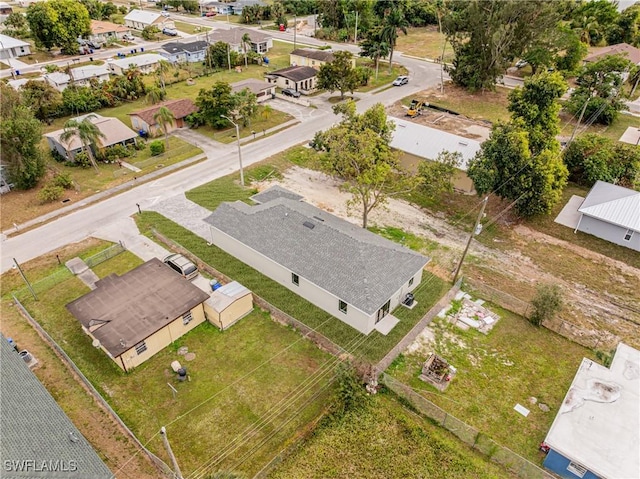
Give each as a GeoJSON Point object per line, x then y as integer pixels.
{"type": "Point", "coordinates": [258, 41]}
{"type": "Point", "coordinates": [299, 78]}
{"type": "Point", "coordinates": [184, 52]}
{"type": "Point", "coordinates": [13, 47]}
{"type": "Point", "coordinates": [146, 63]}
{"type": "Point", "coordinates": [349, 272]}
{"type": "Point", "coordinates": [80, 76]}
{"type": "Point", "coordinates": [140, 19]}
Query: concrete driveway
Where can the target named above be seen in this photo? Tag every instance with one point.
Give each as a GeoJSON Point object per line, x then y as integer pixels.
{"type": "Point", "coordinates": [569, 216]}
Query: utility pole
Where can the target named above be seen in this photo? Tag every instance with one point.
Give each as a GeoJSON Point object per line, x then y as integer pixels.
{"type": "Point", "coordinates": [355, 37]}
{"type": "Point", "coordinates": [25, 279]}
{"type": "Point", "coordinates": [165, 440]}
{"type": "Point", "coordinates": [239, 149]}
{"type": "Point", "coordinates": [584, 108]}
{"type": "Point", "coordinates": [473, 233]}
{"type": "Point", "coordinates": [295, 28]}
{"type": "Point", "coordinates": [229, 56]}
{"type": "Point", "coordinates": [444, 46]}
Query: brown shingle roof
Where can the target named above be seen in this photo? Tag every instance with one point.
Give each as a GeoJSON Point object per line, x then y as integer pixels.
{"type": "Point", "coordinates": [321, 55]}
{"type": "Point", "coordinates": [99, 27]}
{"type": "Point", "coordinates": [179, 108]}
{"type": "Point", "coordinates": [128, 309]}
{"type": "Point", "coordinates": [296, 73]}
{"type": "Point", "coordinates": [624, 49]}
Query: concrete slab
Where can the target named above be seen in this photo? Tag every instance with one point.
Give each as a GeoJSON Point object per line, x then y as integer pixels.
{"type": "Point", "coordinates": [569, 215]}
{"type": "Point", "coordinates": [76, 266]}
{"type": "Point", "coordinates": [387, 324]}
{"type": "Point", "coordinates": [89, 278]}
{"type": "Point", "coordinates": [631, 136]}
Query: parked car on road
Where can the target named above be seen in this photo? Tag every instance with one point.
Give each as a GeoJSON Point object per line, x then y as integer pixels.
{"type": "Point", "coordinates": [210, 14]}
{"type": "Point", "coordinates": [291, 92]}
{"type": "Point", "coordinates": [401, 80]}
{"type": "Point", "coordinates": [172, 32]}
{"type": "Point", "coordinates": [181, 265]}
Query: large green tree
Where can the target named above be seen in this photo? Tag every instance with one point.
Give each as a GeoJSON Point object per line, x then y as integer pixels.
{"type": "Point", "coordinates": [598, 96]}
{"type": "Point", "coordinates": [487, 35]}
{"type": "Point", "coordinates": [338, 74]}
{"type": "Point", "coordinates": [246, 105]}
{"type": "Point", "coordinates": [58, 23]}
{"type": "Point", "coordinates": [374, 47]}
{"type": "Point", "coordinates": [357, 152]}
{"type": "Point", "coordinates": [393, 22]}
{"type": "Point", "coordinates": [213, 104]}
{"type": "Point", "coordinates": [592, 20]}
{"type": "Point", "coordinates": [43, 99]}
{"type": "Point", "coordinates": [20, 135]}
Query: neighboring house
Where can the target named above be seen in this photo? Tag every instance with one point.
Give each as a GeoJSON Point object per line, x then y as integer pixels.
{"type": "Point", "coordinates": [12, 47]}
{"type": "Point", "coordinates": [18, 83]}
{"type": "Point", "coordinates": [177, 52]}
{"type": "Point", "coordinates": [313, 58]}
{"type": "Point", "coordinates": [263, 91]}
{"type": "Point", "coordinates": [238, 6]}
{"type": "Point", "coordinates": [115, 132]}
{"type": "Point", "coordinates": [259, 43]}
{"type": "Point", "coordinates": [136, 315]}
{"type": "Point", "coordinates": [102, 32]}
{"type": "Point", "coordinates": [421, 142]}
{"type": "Point", "coordinates": [298, 78]}
{"type": "Point", "coordinates": [219, 8]}
{"type": "Point", "coordinates": [630, 52]}
{"type": "Point", "coordinates": [228, 305]}
{"type": "Point", "coordinates": [146, 63]}
{"type": "Point", "coordinates": [38, 439]}
{"type": "Point", "coordinates": [349, 272]}
{"type": "Point", "coordinates": [143, 121]}
{"type": "Point", "coordinates": [140, 19]}
{"type": "Point", "coordinates": [80, 76]}
{"type": "Point", "coordinates": [5, 183]}
{"type": "Point", "coordinates": [597, 430]}
{"type": "Point", "coordinates": [612, 213]}
{"type": "Point", "coordinates": [26, 3]}
{"type": "Point", "coordinates": [5, 9]}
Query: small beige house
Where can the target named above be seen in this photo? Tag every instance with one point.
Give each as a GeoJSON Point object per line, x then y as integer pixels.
{"type": "Point", "coordinates": [146, 63]}
{"type": "Point", "coordinates": [102, 32]}
{"type": "Point", "coordinates": [298, 78]}
{"type": "Point", "coordinates": [136, 315]}
{"type": "Point", "coordinates": [313, 58]}
{"type": "Point", "coordinates": [258, 41]}
{"type": "Point", "coordinates": [228, 304]}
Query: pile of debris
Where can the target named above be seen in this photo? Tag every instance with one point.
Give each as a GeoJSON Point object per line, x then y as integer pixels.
{"type": "Point", "coordinates": [471, 314]}
{"type": "Point", "coordinates": [437, 372]}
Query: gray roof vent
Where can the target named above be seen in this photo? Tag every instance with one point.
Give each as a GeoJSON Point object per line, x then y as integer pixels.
{"type": "Point", "coordinates": [309, 225]}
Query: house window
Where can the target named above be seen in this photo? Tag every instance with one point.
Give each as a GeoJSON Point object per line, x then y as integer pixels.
{"type": "Point", "coordinates": [411, 282]}
{"type": "Point", "coordinates": [186, 318]}
{"type": "Point", "coordinates": [286, 82]}
{"type": "Point", "coordinates": [141, 348]}
{"type": "Point", "coordinates": [295, 279]}
{"type": "Point", "coordinates": [342, 306]}
{"type": "Point", "coordinates": [577, 469]}
{"type": "Point", "coordinates": [628, 235]}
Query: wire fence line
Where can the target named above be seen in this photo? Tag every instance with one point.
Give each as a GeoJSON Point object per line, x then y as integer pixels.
{"type": "Point", "coordinates": [466, 433]}
{"type": "Point", "coordinates": [162, 467]}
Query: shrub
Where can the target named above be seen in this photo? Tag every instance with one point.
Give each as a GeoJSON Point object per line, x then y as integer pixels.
{"type": "Point", "coordinates": [57, 156]}
{"type": "Point", "coordinates": [546, 303]}
{"type": "Point", "coordinates": [116, 152]}
{"type": "Point", "coordinates": [50, 193]}
{"type": "Point", "coordinates": [350, 392]}
{"type": "Point", "coordinates": [63, 180]}
{"type": "Point", "coordinates": [82, 160]}
{"type": "Point", "coordinates": [157, 147]}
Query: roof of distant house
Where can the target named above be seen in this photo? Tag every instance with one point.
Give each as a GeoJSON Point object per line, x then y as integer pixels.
{"type": "Point", "coordinates": [179, 108]}
{"type": "Point", "coordinates": [254, 86]}
{"type": "Point", "coordinates": [427, 142]}
{"type": "Point", "coordinates": [138, 60]}
{"type": "Point", "coordinates": [35, 428]}
{"type": "Point", "coordinates": [114, 132]}
{"type": "Point", "coordinates": [125, 310]}
{"type": "Point", "coordinates": [191, 47]}
{"type": "Point", "coordinates": [295, 73]}
{"type": "Point", "coordinates": [598, 424]}
{"type": "Point", "coordinates": [321, 55]}
{"type": "Point", "coordinates": [348, 261]}
{"type": "Point", "coordinates": [18, 83]}
{"type": "Point", "coordinates": [143, 16]}
{"type": "Point", "coordinates": [273, 193]}
{"type": "Point", "coordinates": [80, 73]}
{"type": "Point", "coordinates": [613, 204]}
{"type": "Point", "coordinates": [99, 27]}
{"type": "Point", "coordinates": [7, 42]}
{"type": "Point", "coordinates": [624, 49]}
{"type": "Point", "coordinates": [233, 36]}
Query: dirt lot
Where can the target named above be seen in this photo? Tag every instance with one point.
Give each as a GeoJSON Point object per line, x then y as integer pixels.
{"type": "Point", "coordinates": [601, 294]}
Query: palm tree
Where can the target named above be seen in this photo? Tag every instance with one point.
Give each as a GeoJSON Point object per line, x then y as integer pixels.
{"type": "Point", "coordinates": [87, 132]}
{"type": "Point", "coordinates": [393, 21]}
{"type": "Point", "coordinates": [155, 95]}
{"type": "Point", "coordinates": [163, 67]}
{"type": "Point", "coordinates": [164, 118]}
{"type": "Point", "coordinates": [246, 39]}
{"type": "Point", "coordinates": [267, 111]}
{"type": "Point", "coordinates": [375, 47]}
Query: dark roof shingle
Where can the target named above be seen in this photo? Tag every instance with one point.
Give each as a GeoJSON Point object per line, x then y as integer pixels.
{"type": "Point", "coordinates": [296, 73]}
{"type": "Point", "coordinates": [179, 108]}
{"type": "Point", "coordinates": [321, 55]}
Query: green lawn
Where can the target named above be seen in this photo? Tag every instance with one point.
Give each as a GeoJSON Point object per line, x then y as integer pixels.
{"type": "Point", "coordinates": [250, 373]}
{"type": "Point", "coordinates": [384, 76]}
{"type": "Point", "coordinates": [514, 362]}
{"type": "Point", "coordinates": [384, 440]}
{"type": "Point", "coordinates": [424, 42]}
{"type": "Point", "coordinates": [258, 125]}
{"type": "Point", "coordinates": [190, 28]}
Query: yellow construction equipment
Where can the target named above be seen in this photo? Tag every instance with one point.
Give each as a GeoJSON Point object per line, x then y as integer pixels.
{"type": "Point", "coordinates": [415, 108]}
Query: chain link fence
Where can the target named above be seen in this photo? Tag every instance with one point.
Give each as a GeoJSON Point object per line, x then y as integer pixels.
{"type": "Point", "coordinates": [474, 438]}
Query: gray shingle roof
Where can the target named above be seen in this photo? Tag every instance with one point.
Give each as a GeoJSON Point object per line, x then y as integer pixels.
{"type": "Point", "coordinates": [135, 305]}
{"type": "Point", "coordinates": [613, 204]}
{"type": "Point", "coordinates": [295, 73]}
{"type": "Point", "coordinates": [234, 36]}
{"type": "Point", "coordinates": [355, 265]}
{"type": "Point", "coordinates": [34, 428]}
{"type": "Point", "coordinates": [273, 193]}
{"type": "Point", "coordinates": [191, 47]}
{"type": "Point", "coordinates": [321, 55]}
